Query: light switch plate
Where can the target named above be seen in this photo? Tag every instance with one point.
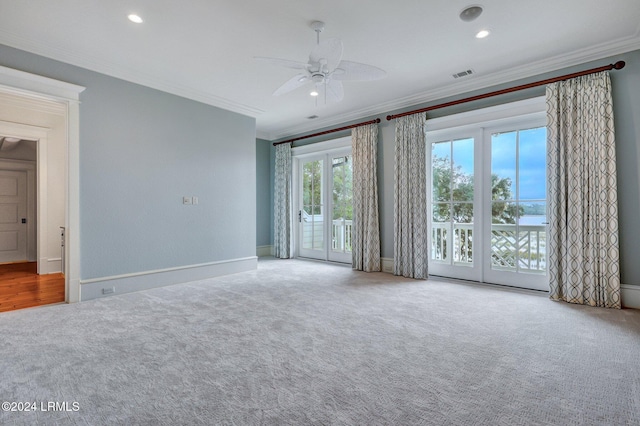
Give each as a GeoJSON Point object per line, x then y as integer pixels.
{"type": "Point", "coordinates": [194, 200]}
{"type": "Point", "coordinates": [187, 200]}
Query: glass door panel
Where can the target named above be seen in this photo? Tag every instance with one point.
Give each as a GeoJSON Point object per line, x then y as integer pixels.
{"type": "Point", "coordinates": [453, 196]}
{"type": "Point", "coordinates": [311, 216]}
{"type": "Point", "coordinates": [342, 206]}
{"type": "Point", "coordinates": [325, 215]}
{"type": "Point", "coordinates": [517, 235]}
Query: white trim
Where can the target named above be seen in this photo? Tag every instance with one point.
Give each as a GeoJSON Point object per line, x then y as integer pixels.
{"type": "Point", "coordinates": [387, 264]}
{"type": "Point", "coordinates": [127, 283]}
{"type": "Point", "coordinates": [263, 251]}
{"type": "Point", "coordinates": [26, 84]}
{"type": "Point", "coordinates": [321, 147]}
{"type": "Point", "coordinates": [37, 87]}
{"type": "Point", "coordinates": [630, 296]}
{"type": "Point", "coordinates": [490, 116]}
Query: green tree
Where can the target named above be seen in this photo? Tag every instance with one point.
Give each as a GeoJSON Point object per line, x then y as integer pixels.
{"type": "Point", "coordinates": [453, 184]}
{"type": "Point", "coordinates": [342, 188]}
{"type": "Point", "coordinates": [312, 187]}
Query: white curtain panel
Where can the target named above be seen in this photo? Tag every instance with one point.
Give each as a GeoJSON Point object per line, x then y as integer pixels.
{"type": "Point", "coordinates": [584, 265]}
{"type": "Point", "coordinates": [282, 202]}
{"type": "Point", "coordinates": [366, 228]}
{"type": "Point", "coordinates": [410, 254]}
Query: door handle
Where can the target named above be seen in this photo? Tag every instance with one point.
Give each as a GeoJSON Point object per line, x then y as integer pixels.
{"type": "Point", "coordinates": [300, 216]}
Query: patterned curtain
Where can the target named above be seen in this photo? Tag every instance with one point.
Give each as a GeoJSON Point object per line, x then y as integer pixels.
{"type": "Point", "coordinates": [282, 202]}
{"type": "Point", "coordinates": [410, 198]}
{"type": "Point", "coordinates": [366, 229]}
{"type": "Point", "coordinates": [584, 264]}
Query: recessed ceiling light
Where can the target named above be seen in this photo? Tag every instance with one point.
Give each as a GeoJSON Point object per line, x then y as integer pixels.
{"type": "Point", "coordinates": [482, 34]}
{"type": "Point", "coordinates": [314, 93]}
{"type": "Point", "coordinates": [470, 13]}
{"type": "Point", "coordinates": [135, 18]}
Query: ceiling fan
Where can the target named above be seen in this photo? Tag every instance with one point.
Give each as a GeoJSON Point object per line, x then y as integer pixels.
{"type": "Point", "coordinates": [325, 69]}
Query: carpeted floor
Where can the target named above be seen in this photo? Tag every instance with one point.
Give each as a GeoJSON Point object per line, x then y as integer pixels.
{"type": "Point", "coordinates": [306, 343]}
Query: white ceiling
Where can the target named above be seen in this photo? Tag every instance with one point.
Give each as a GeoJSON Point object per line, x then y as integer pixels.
{"type": "Point", "coordinates": [205, 49]}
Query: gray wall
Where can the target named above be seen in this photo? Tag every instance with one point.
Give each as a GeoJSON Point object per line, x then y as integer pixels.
{"type": "Point", "coordinates": [141, 151]}
{"type": "Point", "coordinates": [626, 97]}
{"type": "Point", "coordinates": [264, 211]}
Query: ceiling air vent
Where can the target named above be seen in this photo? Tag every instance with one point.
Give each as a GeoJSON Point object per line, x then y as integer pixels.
{"type": "Point", "coordinates": [463, 73]}
{"type": "Point", "coordinates": [312, 117]}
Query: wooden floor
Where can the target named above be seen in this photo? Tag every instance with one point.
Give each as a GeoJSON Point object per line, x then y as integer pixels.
{"type": "Point", "coordinates": [21, 287]}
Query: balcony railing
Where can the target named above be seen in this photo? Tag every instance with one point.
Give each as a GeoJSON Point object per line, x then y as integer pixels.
{"type": "Point", "coordinates": [313, 230]}
{"type": "Point", "coordinates": [341, 235]}
{"type": "Point", "coordinates": [522, 248]}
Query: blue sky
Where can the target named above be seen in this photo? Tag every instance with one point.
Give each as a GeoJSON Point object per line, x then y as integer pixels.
{"type": "Point", "coordinates": [532, 159]}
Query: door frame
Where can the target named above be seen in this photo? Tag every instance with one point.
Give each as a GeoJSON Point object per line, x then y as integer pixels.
{"type": "Point", "coordinates": [475, 123]}
{"type": "Point", "coordinates": [304, 152]}
{"type": "Point", "coordinates": [36, 90]}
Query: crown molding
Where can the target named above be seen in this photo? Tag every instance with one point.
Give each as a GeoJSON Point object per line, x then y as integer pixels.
{"type": "Point", "coordinates": [97, 64]}
{"type": "Point", "coordinates": [555, 63]}
{"type": "Point", "coordinates": [35, 86]}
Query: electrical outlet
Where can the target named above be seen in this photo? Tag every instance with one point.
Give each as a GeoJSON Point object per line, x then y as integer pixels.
{"type": "Point", "coordinates": [194, 200]}
{"type": "Point", "coordinates": [109, 290]}
{"type": "Point", "coordinates": [187, 200]}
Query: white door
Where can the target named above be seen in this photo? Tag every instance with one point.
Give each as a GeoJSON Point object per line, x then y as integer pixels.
{"type": "Point", "coordinates": [515, 237]}
{"type": "Point", "coordinates": [455, 208]}
{"type": "Point", "coordinates": [325, 211]}
{"type": "Point", "coordinates": [488, 201]}
{"type": "Point", "coordinates": [13, 213]}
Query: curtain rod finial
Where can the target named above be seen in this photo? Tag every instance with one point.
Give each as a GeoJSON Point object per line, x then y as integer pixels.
{"type": "Point", "coordinates": [619, 65]}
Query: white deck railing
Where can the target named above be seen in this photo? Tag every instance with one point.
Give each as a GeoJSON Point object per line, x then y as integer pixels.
{"type": "Point", "coordinates": [521, 248]}
{"type": "Point", "coordinates": [341, 235]}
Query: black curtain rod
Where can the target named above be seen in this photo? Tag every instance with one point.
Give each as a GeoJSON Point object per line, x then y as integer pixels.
{"type": "Point", "coordinates": [618, 66]}
{"type": "Point", "coordinates": [326, 132]}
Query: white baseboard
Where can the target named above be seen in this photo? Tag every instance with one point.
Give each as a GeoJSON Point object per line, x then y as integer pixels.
{"type": "Point", "coordinates": [50, 265]}
{"type": "Point", "coordinates": [631, 296]}
{"type": "Point", "coordinates": [264, 251]}
{"type": "Point", "coordinates": [387, 264]}
{"type": "Point", "coordinates": [109, 286]}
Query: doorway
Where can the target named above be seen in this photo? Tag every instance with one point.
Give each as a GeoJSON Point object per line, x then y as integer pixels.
{"type": "Point", "coordinates": [47, 111]}
{"type": "Point", "coordinates": [323, 201]}
{"type": "Point", "coordinates": [488, 196]}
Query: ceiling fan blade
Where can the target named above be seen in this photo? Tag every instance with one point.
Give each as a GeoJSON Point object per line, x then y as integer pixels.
{"type": "Point", "coordinates": [334, 91]}
{"type": "Point", "coordinates": [347, 70]}
{"type": "Point", "coordinates": [296, 81]}
{"type": "Point", "coordinates": [329, 50]}
{"type": "Point", "coordinates": [283, 63]}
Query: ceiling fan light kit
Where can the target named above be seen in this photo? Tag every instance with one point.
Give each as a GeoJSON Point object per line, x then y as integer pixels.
{"type": "Point", "coordinates": [325, 69]}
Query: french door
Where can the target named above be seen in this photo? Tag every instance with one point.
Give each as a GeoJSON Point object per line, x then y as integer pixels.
{"type": "Point", "coordinates": [488, 189]}
{"type": "Point", "coordinates": [325, 208]}
{"type": "Point", "coordinates": [515, 225]}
